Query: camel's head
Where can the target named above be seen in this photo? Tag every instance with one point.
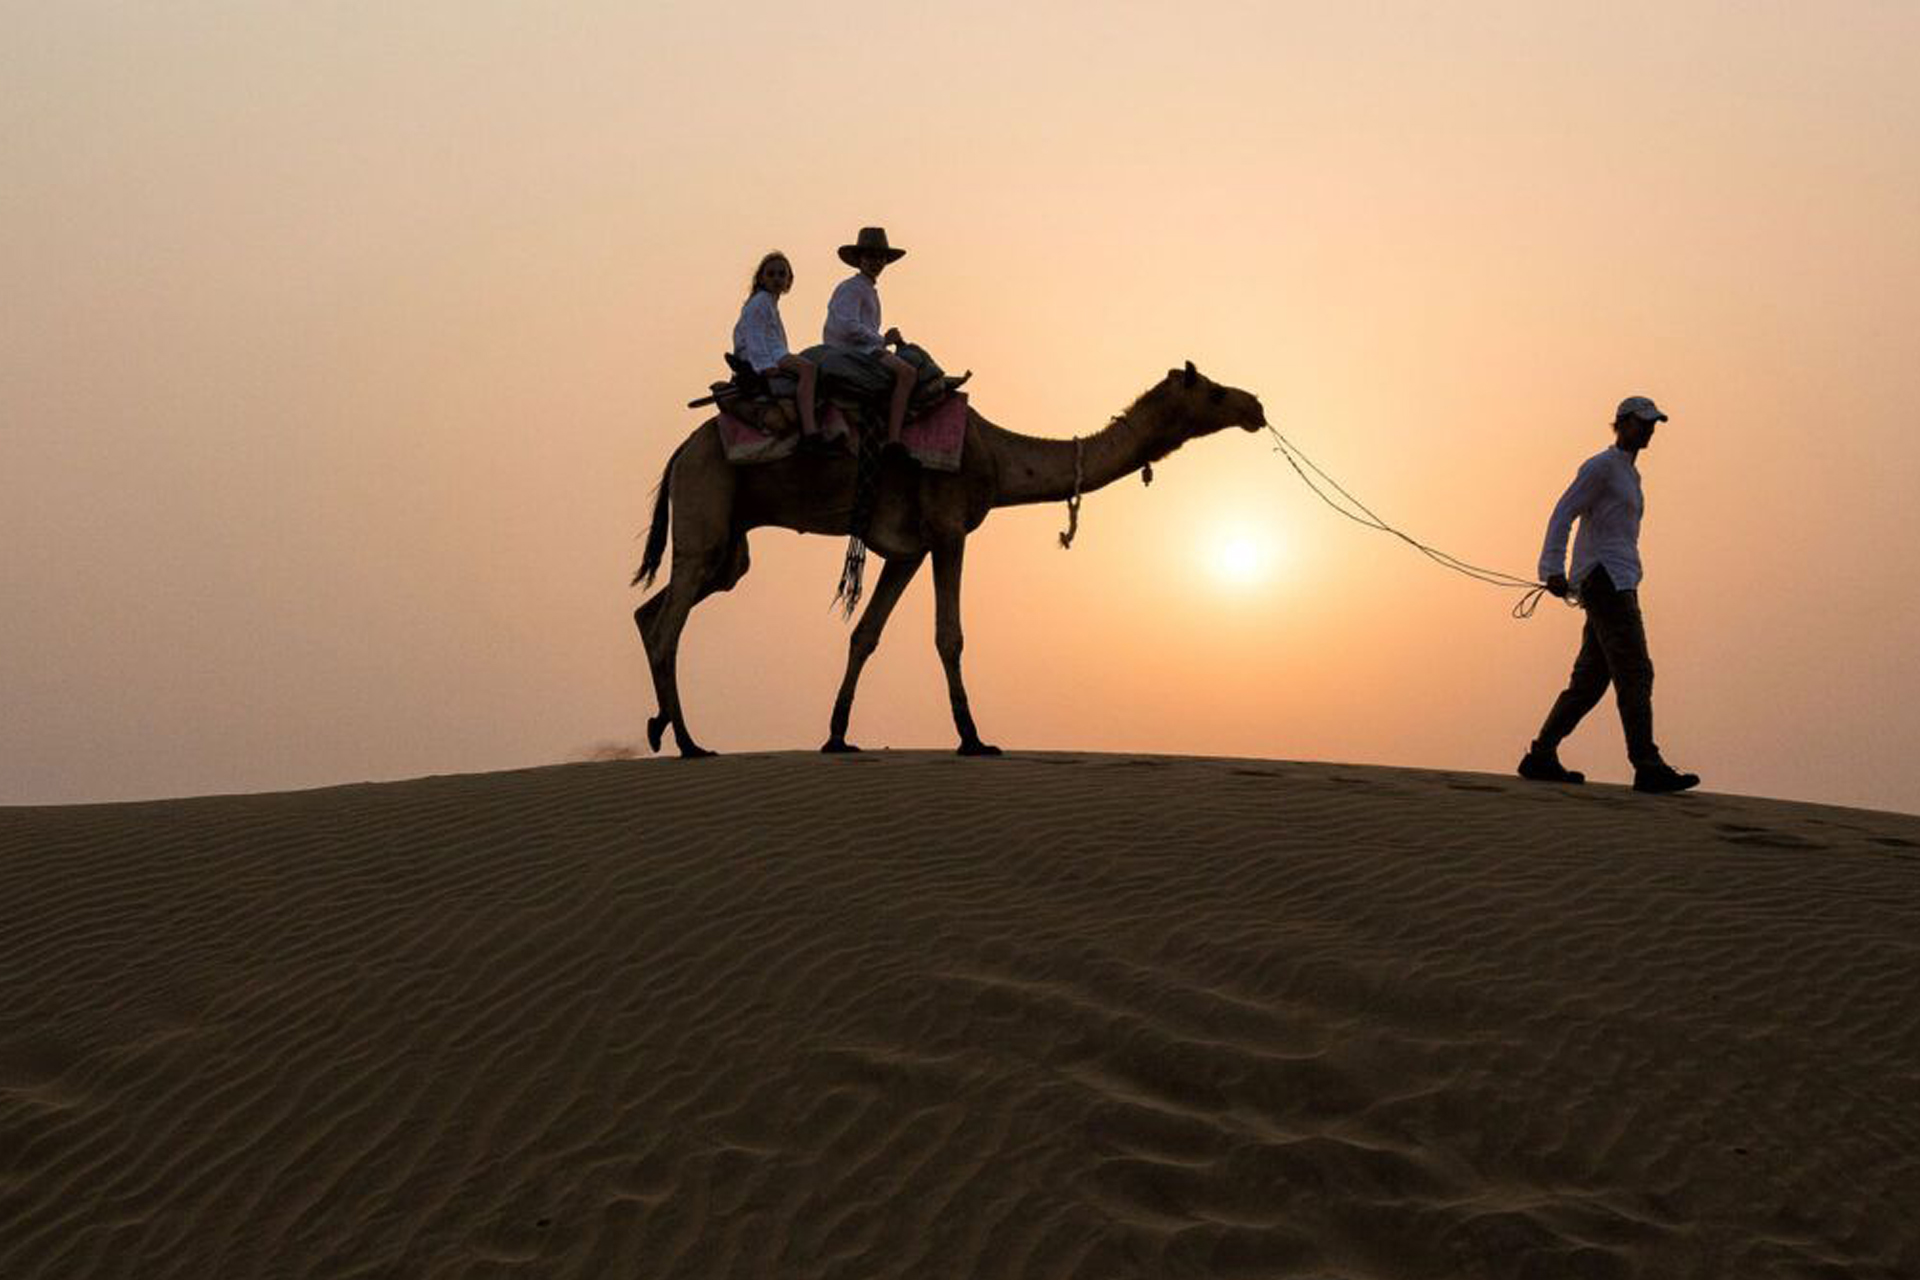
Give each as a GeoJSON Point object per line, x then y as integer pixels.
{"type": "Point", "coordinates": [1189, 404]}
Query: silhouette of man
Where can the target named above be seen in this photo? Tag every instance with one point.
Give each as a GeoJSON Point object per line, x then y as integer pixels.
{"type": "Point", "coordinates": [853, 331]}
{"type": "Point", "coordinates": [1606, 498]}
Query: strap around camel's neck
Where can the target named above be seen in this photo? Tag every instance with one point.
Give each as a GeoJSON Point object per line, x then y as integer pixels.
{"type": "Point", "coordinates": [1079, 479]}
{"type": "Point", "coordinates": [1073, 502]}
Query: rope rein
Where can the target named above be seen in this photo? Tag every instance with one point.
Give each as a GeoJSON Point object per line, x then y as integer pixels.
{"type": "Point", "coordinates": [1531, 589]}
{"type": "Point", "coordinates": [1355, 510]}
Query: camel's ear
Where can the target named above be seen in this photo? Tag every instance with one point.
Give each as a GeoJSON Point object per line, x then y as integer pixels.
{"type": "Point", "coordinates": [1189, 374]}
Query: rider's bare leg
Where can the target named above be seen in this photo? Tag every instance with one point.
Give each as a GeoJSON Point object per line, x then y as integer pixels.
{"type": "Point", "coordinates": [903, 378]}
{"type": "Point", "coordinates": [808, 375]}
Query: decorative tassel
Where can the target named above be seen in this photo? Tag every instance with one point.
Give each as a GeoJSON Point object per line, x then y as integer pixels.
{"type": "Point", "coordinates": [847, 594]}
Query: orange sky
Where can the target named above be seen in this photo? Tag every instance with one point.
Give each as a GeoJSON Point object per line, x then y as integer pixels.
{"type": "Point", "coordinates": [342, 347]}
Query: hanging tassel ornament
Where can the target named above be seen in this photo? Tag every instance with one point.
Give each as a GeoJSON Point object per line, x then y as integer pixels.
{"type": "Point", "coordinates": [847, 594]}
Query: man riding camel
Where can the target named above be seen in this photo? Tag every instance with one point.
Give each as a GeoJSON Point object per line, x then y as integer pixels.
{"type": "Point", "coordinates": [854, 351]}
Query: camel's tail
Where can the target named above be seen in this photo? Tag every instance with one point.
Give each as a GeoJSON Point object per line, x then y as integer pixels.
{"type": "Point", "coordinates": [657, 531]}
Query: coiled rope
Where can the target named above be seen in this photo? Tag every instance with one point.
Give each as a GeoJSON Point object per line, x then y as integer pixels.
{"type": "Point", "coordinates": [1362, 514]}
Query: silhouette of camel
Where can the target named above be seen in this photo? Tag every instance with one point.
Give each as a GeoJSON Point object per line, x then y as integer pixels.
{"type": "Point", "coordinates": [714, 504]}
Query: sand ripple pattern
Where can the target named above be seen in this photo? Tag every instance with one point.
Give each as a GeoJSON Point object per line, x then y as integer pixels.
{"type": "Point", "coordinates": [906, 1015]}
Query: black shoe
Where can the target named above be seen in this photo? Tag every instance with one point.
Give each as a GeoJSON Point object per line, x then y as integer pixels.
{"type": "Point", "coordinates": [1535, 767]}
{"type": "Point", "coordinates": [818, 444]}
{"type": "Point", "coordinates": [1660, 779]}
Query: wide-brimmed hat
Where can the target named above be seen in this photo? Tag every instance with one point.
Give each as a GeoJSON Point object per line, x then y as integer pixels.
{"type": "Point", "coordinates": [1639, 407]}
{"type": "Point", "coordinates": [870, 238]}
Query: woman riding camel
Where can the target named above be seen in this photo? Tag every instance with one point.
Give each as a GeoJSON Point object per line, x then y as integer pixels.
{"type": "Point", "coordinates": [760, 339]}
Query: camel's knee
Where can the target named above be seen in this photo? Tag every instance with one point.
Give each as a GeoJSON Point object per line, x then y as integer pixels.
{"type": "Point", "coordinates": [731, 568]}
{"type": "Point", "coordinates": [863, 642]}
{"type": "Point", "coordinates": [948, 644]}
{"type": "Point", "coordinates": [694, 574]}
{"type": "Point", "coordinates": [646, 620]}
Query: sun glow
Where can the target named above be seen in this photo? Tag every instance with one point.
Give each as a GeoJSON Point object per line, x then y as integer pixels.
{"type": "Point", "coordinates": [1240, 559]}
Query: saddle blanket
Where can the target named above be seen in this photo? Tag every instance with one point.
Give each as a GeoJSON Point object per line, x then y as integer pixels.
{"type": "Point", "coordinates": [934, 439]}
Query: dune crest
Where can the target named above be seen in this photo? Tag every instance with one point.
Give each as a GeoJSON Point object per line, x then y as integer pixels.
{"type": "Point", "coordinates": [904, 1014]}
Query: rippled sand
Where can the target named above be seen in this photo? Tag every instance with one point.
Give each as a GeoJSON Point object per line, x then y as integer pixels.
{"type": "Point", "coordinates": [908, 1015]}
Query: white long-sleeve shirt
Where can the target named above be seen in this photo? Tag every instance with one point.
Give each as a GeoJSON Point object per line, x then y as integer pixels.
{"type": "Point", "coordinates": [759, 337]}
{"type": "Point", "coordinates": [1606, 498]}
{"type": "Point", "coordinates": [853, 315]}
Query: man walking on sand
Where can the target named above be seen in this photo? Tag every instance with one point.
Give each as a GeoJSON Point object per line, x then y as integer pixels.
{"type": "Point", "coordinates": [1606, 498]}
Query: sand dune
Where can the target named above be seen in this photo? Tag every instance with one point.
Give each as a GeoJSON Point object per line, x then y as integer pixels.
{"type": "Point", "coordinates": [907, 1015]}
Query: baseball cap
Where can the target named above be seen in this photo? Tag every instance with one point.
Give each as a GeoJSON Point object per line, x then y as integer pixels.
{"type": "Point", "coordinates": [1639, 407]}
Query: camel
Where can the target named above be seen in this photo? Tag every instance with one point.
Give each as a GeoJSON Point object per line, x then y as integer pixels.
{"type": "Point", "coordinates": [713, 504]}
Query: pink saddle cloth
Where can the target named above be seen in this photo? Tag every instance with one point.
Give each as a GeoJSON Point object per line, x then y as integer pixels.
{"type": "Point", "coordinates": [934, 439]}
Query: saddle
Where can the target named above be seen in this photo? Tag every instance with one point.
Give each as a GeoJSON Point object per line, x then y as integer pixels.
{"type": "Point", "coordinates": [750, 398]}
{"type": "Point", "coordinates": [934, 438]}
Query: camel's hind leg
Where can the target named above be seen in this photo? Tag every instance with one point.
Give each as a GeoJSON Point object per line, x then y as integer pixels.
{"type": "Point", "coordinates": [647, 618]}
{"type": "Point", "coordinates": [894, 578]}
{"type": "Point", "coordinates": [698, 572]}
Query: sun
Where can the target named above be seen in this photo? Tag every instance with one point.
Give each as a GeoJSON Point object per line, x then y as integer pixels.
{"type": "Point", "coordinates": [1239, 559]}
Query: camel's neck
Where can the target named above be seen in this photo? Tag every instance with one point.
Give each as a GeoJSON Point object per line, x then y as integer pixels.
{"type": "Point", "coordinates": [1037, 470]}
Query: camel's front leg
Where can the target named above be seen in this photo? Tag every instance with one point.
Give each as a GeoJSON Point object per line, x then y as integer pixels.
{"type": "Point", "coordinates": [894, 577]}
{"type": "Point", "coordinates": [947, 556]}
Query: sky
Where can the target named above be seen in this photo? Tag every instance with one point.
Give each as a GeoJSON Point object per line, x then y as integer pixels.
{"type": "Point", "coordinates": [343, 345]}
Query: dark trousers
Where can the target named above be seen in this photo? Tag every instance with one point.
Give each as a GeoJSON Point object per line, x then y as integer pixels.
{"type": "Point", "coordinates": [1613, 650]}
